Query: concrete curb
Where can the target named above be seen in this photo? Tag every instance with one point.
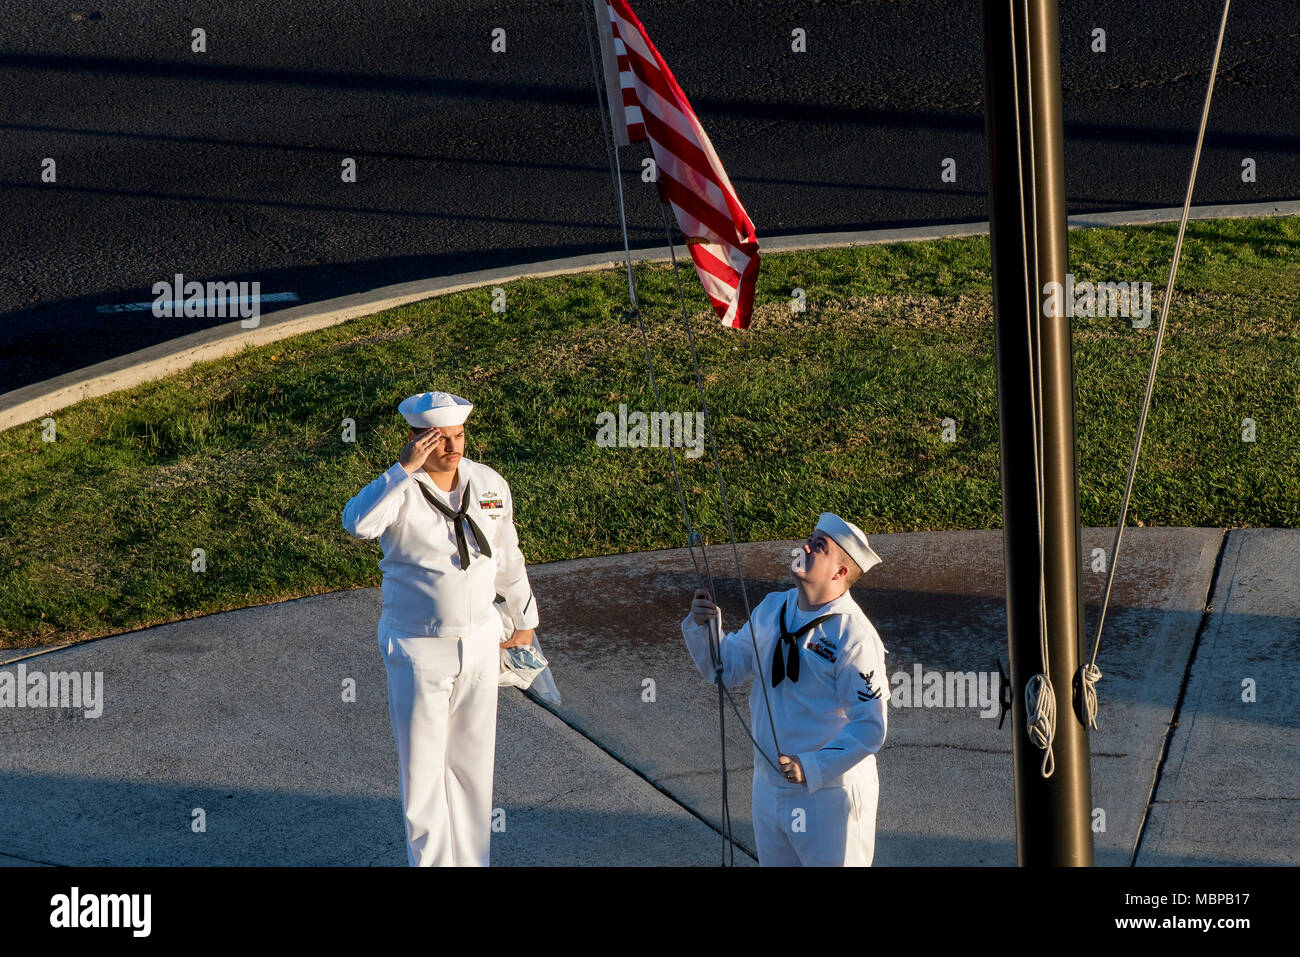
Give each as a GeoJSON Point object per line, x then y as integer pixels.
{"type": "Point", "coordinates": [166, 358]}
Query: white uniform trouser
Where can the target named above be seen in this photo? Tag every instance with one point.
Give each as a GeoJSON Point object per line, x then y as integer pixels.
{"type": "Point", "coordinates": [442, 702]}
{"type": "Point", "coordinates": [833, 827]}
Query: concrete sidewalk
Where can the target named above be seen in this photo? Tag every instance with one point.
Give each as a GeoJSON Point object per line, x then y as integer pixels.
{"type": "Point", "coordinates": [242, 715]}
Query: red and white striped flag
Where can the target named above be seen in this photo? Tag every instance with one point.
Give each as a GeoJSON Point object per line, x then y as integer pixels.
{"type": "Point", "coordinates": [650, 105]}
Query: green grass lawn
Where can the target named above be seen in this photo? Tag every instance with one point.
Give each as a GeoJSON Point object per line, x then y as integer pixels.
{"type": "Point", "coordinates": [837, 408]}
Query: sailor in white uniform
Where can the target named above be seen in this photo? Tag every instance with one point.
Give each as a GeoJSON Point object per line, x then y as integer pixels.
{"type": "Point", "coordinates": [446, 526]}
{"type": "Point", "coordinates": [824, 666]}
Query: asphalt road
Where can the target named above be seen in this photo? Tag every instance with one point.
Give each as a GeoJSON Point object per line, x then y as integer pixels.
{"type": "Point", "coordinates": [226, 165]}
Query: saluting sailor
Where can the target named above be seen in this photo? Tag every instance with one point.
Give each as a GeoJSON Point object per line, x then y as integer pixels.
{"type": "Point", "coordinates": [815, 800]}
{"type": "Point", "coordinates": [446, 526]}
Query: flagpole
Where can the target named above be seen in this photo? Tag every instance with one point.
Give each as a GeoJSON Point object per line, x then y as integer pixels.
{"type": "Point", "coordinates": [1035, 367]}
{"type": "Point", "coordinates": [611, 145]}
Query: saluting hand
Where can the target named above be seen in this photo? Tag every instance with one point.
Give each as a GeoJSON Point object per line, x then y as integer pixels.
{"type": "Point", "coordinates": [416, 451]}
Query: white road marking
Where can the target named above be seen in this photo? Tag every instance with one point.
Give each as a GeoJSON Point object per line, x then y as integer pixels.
{"type": "Point", "coordinates": [176, 307]}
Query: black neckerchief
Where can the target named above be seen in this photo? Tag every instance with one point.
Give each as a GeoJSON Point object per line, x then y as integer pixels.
{"type": "Point", "coordinates": [458, 520]}
{"type": "Point", "coordinates": [790, 667]}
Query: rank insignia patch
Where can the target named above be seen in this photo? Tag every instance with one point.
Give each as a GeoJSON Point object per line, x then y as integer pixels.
{"type": "Point", "coordinates": [870, 694]}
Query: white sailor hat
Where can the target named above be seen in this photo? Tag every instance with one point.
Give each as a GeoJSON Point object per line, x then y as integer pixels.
{"type": "Point", "coordinates": [435, 409]}
{"type": "Point", "coordinates": [850, 538]}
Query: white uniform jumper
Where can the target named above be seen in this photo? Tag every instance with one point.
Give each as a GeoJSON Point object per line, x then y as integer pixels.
{"type": "Point", "coordinates": [827, 689]}
{"type": "Point", "coordinates": [440, 637]}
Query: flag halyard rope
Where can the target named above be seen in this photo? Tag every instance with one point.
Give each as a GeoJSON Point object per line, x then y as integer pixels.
{"type": "Point", "coordinates": [1089, 674]}
{"type": "Point", "coordinates": [1040, 696]}
{"type": "Point", "coordinates": [693, 537]}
